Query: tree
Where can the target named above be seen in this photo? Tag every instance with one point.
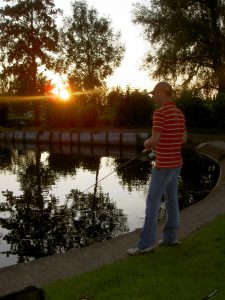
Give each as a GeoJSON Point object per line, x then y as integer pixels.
{"type": "Point", "coordinates": [91, 49]}
{"type": "Point", "coordinates": [28, 37]}
{"type": "Point", "coordinates": [189, 41]}
{"type": "Point", "coordinates": [129, 108]}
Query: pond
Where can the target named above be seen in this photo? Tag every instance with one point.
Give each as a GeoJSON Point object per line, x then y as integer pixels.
{"type": "Point", "coordinates": [53, 198]}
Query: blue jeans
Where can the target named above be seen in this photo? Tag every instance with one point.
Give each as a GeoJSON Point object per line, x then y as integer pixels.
{"type": "Point", "coordinates": [163, 182]}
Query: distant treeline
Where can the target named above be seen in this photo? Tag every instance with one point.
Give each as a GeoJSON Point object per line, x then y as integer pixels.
{"type": "Point", "coordinates": [115, 108]}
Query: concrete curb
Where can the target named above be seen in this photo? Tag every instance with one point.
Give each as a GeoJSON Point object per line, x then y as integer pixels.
{"type": "Point", "coordinates": [133, 139]}
{"type": "Point", "coordinates": [77, 261]}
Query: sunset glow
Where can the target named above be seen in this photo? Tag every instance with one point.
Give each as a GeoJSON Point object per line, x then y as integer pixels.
{"type": "Point", "coordinates": [60, 87]}
{"type": "Point", "coordinates": [61, 92]}
{"type": "Point", "coordinates": [64, 94]}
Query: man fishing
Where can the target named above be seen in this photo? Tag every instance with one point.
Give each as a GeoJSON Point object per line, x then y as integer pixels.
{"type": "Point", "coordinates": [168, 135]}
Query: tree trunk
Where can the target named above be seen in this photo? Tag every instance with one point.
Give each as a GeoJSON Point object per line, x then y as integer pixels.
{"type": "Point", "coordinates": [36, 105]}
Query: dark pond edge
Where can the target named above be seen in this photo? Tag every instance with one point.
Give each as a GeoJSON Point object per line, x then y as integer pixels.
{"type": "Point", "coordinates": [215, 150]}
{"type": "Point", "coordinates": [213, 205]}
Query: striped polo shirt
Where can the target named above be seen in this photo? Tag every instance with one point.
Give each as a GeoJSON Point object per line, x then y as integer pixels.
{"type": "Point", "coordinates": [170, 122]}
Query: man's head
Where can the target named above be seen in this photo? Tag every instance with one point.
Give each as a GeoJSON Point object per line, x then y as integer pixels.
{"type": "Point", "coordinates": [162, 92]}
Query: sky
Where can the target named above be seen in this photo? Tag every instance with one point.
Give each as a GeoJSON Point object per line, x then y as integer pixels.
{"type": "Point", "coordinates": [129, 73]}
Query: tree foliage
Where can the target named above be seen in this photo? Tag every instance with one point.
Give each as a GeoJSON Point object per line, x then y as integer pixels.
{"type": "Point", "coordinates": [188, 37]}
{"type": "Point", "coordinates": [130, 108]}
{"type": "Point", "coordinates": [92, 49]}
{"type": "Point", "coordinates": [28, 36]}
{"type": "Point", "coordinates": [198, 111]}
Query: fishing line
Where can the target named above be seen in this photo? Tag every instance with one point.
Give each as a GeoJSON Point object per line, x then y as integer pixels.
{"type": "Point", "coordinates": [119, 167]}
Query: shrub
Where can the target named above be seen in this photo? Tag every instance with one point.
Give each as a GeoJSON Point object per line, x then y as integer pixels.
{"type": "Point", "coordinates": [219, 111]}
{"type": "Point", "coordinates": [131, 108]}
{"type": "Point", "coordinates": [4, 112]}
{"type": "Point", "coordinates": [198, 112]}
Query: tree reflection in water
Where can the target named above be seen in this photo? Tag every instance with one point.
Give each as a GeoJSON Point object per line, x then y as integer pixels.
{"type": "Point", "coordinates": [36, 232]}
{"type": "Point", "coordinates": [95, 217]}
{"type": "Point", "coordinates": [38, 226]}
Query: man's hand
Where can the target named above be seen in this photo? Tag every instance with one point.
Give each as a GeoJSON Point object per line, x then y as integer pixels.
{"type": "Point", "coordinates": [148, 144]}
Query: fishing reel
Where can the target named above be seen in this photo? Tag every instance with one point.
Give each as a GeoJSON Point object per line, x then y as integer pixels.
{"type": "Point", "coordinates": [151, 155]}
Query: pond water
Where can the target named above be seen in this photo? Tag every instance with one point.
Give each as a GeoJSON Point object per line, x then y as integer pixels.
{"type": "Point", "coordinates": [53, 199]}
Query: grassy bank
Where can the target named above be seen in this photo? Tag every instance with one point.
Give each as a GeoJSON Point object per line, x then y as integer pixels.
{"type": "Point", "coordinates": [190, 271]}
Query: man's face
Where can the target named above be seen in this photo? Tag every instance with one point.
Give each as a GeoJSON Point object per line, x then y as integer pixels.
{"type": "Point", "coordinates": [158, 96]}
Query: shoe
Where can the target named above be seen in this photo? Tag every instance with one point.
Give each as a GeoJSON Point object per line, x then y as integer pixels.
{"type": "Point", "coordinates": [136, 250]}
{"type": "Point", "coordinates": [173, 243]}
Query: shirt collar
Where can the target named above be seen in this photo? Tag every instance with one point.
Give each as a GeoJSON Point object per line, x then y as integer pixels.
{"type": "Point", "coordinates": [168, 103]}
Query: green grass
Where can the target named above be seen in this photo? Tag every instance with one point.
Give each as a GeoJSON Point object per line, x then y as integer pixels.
{"type": "Point", "coordinates": [189, 271]}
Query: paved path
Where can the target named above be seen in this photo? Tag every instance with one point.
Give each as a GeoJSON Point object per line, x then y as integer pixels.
{"type": "Point", "coordinates": [77, 261]}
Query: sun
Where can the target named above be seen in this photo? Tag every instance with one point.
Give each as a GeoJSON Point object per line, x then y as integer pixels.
{"type": "Point", "coordinates": [61, 92]}
{"type": "Point", "coordinates": [64, 94]}
{"type": "Point", "coordinates": [60, 87]}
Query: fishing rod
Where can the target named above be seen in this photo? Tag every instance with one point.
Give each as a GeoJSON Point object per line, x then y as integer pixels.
{"type": "Point", "coordinates": [119, 167]}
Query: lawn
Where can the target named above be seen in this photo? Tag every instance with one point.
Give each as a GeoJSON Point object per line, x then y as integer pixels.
{"type": "Point", "coordinates": [190, 271]}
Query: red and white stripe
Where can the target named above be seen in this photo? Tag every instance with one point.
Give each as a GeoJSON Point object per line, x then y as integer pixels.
{"type": "Point", "coordinates": [169, 121]}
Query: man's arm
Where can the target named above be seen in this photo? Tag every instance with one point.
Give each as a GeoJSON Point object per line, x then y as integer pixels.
{"type": "Point", "coordinates": [150, 143]}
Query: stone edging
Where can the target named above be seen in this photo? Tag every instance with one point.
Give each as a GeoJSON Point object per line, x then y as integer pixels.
{"type": "Point", "coordinates": [69, 137]}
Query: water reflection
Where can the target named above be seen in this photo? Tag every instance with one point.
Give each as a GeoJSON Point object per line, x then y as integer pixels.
{"type": "Point", "coordinates": [198, 178]}
{"type": "Point", "coordinates": [37, 229]}
{"type": "Point", "coordinates": [135, 174]}
{"type": "Point", "coordinates": [37, 223]}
